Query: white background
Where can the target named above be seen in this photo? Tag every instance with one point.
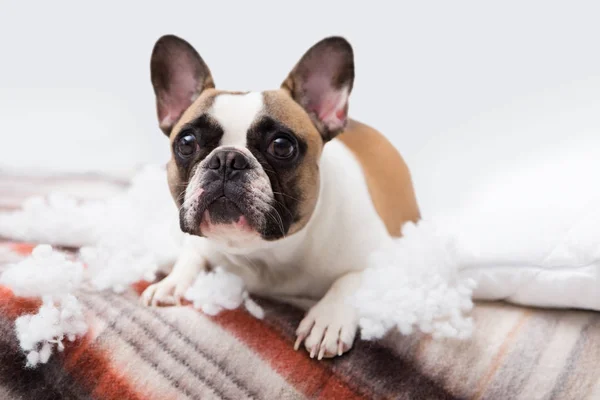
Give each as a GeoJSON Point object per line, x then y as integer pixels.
{"type": "Point", "coordinates": [463, 89]}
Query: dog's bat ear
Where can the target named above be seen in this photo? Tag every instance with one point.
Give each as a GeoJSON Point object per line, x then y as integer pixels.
{"type": "Point", "coordinates": [321, 82]}
{"type": "Point", "coordinates": [178, 76]}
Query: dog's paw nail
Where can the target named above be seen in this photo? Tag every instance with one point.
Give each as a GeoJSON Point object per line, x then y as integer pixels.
{"type": "Point", "coordinates": [321, 353]}
{"type": "Point", "coordinates": [313, 351]}
{"type": "Point", "coordinates": [299, 340]}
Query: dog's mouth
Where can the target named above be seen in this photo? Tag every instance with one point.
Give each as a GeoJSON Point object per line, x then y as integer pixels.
{"type": "Point", "coordinates": [217, 212]}
{"type": "Point", "coordinates": [226, 209]}
{"type": "Point", "coordinates": [224, 219]}
{"type": "Point", "coordinates": [222, 211]}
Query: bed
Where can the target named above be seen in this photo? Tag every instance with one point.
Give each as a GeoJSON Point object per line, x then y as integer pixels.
{"type": "Point", "coordinates": [134, 352]}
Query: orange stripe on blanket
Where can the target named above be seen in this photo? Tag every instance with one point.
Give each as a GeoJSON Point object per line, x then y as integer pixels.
{"type": "Point", "coordinates": [23, 249]}
{"type": "Point", "coordinates": [311, 377]}
{"type": "Point", "coordinates": [93, 370]}
{"type": "Point", "coordinates": [13, 307]}
{"type": "Point", "coordinates": [140, 286]}
{"type": "Point", "coordinates": [83, 362]}
{"type": "Point", "coordinates": [497, 360]}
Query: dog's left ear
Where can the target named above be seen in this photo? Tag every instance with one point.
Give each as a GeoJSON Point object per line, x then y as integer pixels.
{"type": "Point", "coordinates": [321, 82]}
{"type": "Point", "coordinates": [178, 76]}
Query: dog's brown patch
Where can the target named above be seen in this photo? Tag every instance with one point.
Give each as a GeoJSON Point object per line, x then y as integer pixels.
{"type": "Point", "coordinates": [386, 173]}
{"type": "Point", "coordinates": [279, 105]}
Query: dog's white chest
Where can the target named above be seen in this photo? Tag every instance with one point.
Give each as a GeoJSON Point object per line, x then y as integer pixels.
{"type": "Point", "coordinates": [344, 230]}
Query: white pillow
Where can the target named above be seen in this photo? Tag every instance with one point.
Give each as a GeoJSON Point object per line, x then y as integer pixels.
{"type": "Point", "coordinates": [531, 234]}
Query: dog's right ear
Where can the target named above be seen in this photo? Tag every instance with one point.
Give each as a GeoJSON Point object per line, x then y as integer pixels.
{"type": "Point", "coordinates": [178, 75]}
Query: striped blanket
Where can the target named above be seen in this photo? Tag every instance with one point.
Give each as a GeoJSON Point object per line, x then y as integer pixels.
{"type": "Point", "coordinates": [134, 352]}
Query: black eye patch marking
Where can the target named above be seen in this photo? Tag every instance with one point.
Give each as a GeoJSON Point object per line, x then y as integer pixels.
{"type": "Point", "coordinates": [282, 170]}
{"type": "Point", "coordinates": [264, 132]}
{"type": "Point", "coordinates": [207, 134]}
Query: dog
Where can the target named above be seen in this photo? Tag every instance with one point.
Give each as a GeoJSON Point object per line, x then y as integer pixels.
{"type": "Point", "coordinates": [279, 187]}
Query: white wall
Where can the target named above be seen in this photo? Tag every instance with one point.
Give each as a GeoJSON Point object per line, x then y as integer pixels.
{"type": "Point", "coordinates": [461, 88]}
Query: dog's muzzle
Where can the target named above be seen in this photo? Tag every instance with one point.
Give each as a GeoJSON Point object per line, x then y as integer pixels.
{"type": "Point", "coordinates": [228, 187]}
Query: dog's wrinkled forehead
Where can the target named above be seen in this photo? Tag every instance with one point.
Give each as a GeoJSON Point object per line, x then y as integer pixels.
{"type": "Point", "coordinates": [233, 112]}
{"type": "Point", "coordinates": [236, 112]}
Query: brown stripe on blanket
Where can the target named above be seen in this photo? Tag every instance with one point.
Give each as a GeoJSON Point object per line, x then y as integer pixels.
{"type": "Point", "coordinates": [371, 369]}
{"type": "Point", "coordinates": [307, 375]}
{"type": "Point", "coordinates": [46, 382]}
{"type": "Point", "coordinates": [93, 370]}
{"type": "Point", "coordinates": [130, 364]}
{"type": "Point", "coordinates": [461, 364]}
{"type": "Point", "coordinates": [82, 363]}
{"type": "Point", "coordinates": [241, 365]}
{"type": "Point", "coordinates": [522, 357]}
{"type": "Point", "coordinates": [388, 375]}
{"type": "Point", "coordinates": [163, 360]}
{"type": "Point", "coordinates": [199, 363]}
{"type": "Point", "coordinates": [499, 357]}
{"type": "Point", "coordinates": [557, 348]}
{"type": "Point", "coordinates": [578, 379]}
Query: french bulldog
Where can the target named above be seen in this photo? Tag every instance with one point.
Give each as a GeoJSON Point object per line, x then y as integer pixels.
{"type": "Point", "coordinates": [279, 187]}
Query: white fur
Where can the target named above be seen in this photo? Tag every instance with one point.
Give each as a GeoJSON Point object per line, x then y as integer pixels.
{"type": "Point", "coordinates": [336, 240]}
{"type": "Point", "coordinates": [236, 113]}
{"type": "Point", "coordinates": [319, 264]}
{"type": "Point", "coordinates": [191, 261]}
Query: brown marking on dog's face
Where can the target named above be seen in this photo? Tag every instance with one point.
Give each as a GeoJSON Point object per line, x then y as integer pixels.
{"type": "Point", "coordinates": [245, 166]}
{"type": "Point", "coordinates": [303, 182]}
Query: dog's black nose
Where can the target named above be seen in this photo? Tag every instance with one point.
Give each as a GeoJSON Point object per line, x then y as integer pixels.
{"type": "Point", "coordinates": [228, 161]}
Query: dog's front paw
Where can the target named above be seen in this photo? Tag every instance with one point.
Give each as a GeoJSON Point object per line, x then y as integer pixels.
{"type": "Point", "coordinates": [167, 292]}
{"type": "Point", "coordinates": [328, 330]}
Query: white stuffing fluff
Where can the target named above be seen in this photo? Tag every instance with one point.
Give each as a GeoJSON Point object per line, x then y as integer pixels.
{"type": "Point", "coordinates": [511, 248]}
{"type": "Point", "coordinates": [59, 318]}
{"type": "Point", "coordinates": [413, 283]}
{"type": "Point", "coordinates": [52, 276]}
{"type": "Point", "coordinates": [45, 273]}
{"type": "Point", "coordinates": [219, 290]}
{"type": "Point", "coordinates": [129, 237]}
{"type": "Point", "coordinates": [140, 235]}
{"type": "Point", "coordinates": [124, 239]}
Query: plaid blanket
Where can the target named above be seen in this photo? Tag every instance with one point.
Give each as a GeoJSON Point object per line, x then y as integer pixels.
{"type": "Point", "coordinates": [134, 352]}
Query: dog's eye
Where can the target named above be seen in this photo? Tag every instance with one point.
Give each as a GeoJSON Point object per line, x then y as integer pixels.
{"type": "Point", "coordinates": [187, 145]}
{"type": "Point", "coordinates": [282, 147]}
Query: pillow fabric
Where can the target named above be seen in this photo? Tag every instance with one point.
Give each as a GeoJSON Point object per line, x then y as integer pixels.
{"type": "Point", "coordinates": [531, 235]}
